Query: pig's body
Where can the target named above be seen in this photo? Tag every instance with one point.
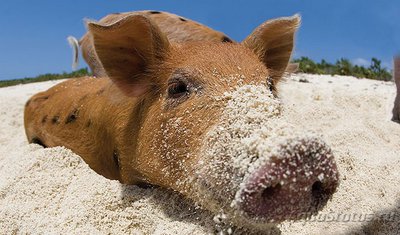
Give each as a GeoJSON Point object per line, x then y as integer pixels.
{"type": "Point", "coordinates": [168, 115]}
{"type": "Point", "coordinates": [71, 114]}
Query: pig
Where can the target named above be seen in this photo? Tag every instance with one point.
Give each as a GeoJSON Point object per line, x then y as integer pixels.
{"type": "Point", "coordinates": [396, 78]}
{"type": "Point", "coordinates": [202, 118]}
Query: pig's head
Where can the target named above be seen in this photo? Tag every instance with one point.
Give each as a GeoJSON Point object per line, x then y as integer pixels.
{"type": "Point", "coordinates": [210, 124]}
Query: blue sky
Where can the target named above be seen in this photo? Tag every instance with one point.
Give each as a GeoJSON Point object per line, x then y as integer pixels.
{"type": "Point", "coordinates": [33, 33]}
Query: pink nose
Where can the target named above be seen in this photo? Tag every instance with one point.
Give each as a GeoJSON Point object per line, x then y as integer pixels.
{"type": "Point", "coordinates": [295, 183]}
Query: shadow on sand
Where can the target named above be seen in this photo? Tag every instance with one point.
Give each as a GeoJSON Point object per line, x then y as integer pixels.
{"type": "Point", "coordinates": [177, 208]}
{"type": "Point", "coordinates": [386, 221]}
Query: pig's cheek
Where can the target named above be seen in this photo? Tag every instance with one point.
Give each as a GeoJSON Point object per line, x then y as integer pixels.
{"type": "Point", "coordinates": [170, 148]}
{"type": "Point", "coordinates": [215, 180]}
{"type": "Point", "coordinates": [212, 181]}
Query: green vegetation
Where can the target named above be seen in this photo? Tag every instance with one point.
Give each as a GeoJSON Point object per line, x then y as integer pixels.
{"type": "Point", "coordinates": [344, 67]}
{"type": "Point", "coordinates": [46, 77]}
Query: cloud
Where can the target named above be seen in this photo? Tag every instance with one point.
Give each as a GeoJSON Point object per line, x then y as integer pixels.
{"type": "Point", "coordinates": [361, 62]}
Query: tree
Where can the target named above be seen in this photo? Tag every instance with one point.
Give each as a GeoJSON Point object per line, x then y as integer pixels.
{"type": "Point", "coordinates": [308, 66]}
{"type": "Point", "coordinates": [378, 72]}
{"type": "Point", "coordinates": [344, 67]}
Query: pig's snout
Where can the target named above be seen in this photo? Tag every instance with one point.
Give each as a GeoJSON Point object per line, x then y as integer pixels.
{"type": "Point", "coordinates": [295, 182]}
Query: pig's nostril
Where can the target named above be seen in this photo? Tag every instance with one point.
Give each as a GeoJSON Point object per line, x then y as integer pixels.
{"type": "Point", "coordinates": [316, 189]}
{"type": "Point", "coordinates": [318, 192]}
{"type": "Point", "coordinates": [271, 192]}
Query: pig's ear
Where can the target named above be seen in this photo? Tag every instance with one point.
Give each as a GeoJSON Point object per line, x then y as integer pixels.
{"type": "Point", "coordinates": [127, 49]}
{"type": "Point", "coordinates": [273, 42]}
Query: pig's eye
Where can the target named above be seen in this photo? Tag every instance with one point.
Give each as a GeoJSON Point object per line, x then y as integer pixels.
{"type": "Point", "coordinates": [177, 89]}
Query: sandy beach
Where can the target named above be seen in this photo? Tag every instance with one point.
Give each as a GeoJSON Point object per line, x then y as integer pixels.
{"type": "Point", "coordinates": [52, 191]}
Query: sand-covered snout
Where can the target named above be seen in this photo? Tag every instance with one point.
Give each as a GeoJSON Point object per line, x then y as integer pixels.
{"type": "Point", "coordinates": [258, 168]}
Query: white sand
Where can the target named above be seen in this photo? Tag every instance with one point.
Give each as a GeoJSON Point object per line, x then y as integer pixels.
{"type": "Point", "coordinates": [53, 191]}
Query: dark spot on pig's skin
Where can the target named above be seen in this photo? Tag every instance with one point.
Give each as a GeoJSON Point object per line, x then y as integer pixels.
{"type": "Point", "coordinates": [226, 39]}
{"type": "Point", "coordinates": [36, 140]}
{"type": "Point", "coordinates": [44, 119]}
{"type": "Point", "coordinates": [182, 19]}
{"type": "Point", "coordinates": [89, 123]}
{"type": "Point", "coordinates": [116, 158]}
{"type": "Point", "coordinates": [55, 120]}
{"type": "Point", "coordinates": [116, 13]}
{"type": "Point", "coordinates": [72, 116]}
{"type": "Point", "coordinates": [155, 12]}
